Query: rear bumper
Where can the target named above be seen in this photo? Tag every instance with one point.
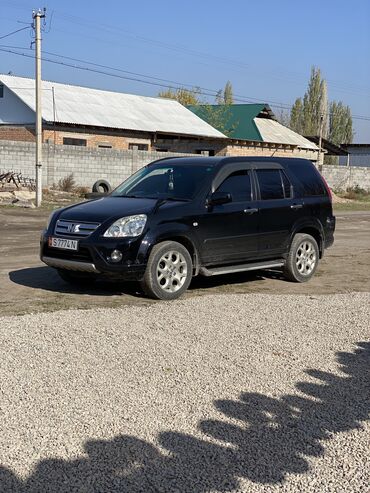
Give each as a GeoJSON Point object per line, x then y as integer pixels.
{"type": "Point", "coordinates": [329, 232]}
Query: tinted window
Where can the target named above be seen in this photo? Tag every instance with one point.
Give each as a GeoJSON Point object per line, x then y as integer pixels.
{"type": "Point", "coordinates": [270, 183]}
{"type": "Point", "coordinates": [286, 185]}
{"type": "Point", "coordinates": [239, 185]}
{"type": "Point", "coordinates": [307, 179]}
{"type": "Point", "coordinates": [165, 181]}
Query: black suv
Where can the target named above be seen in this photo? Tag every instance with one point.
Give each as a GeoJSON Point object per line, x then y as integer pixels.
{"type": "Point", "coordinates": [181, 217]}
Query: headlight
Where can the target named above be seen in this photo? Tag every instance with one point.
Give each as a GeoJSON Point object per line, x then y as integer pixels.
{"type": "Point", "coordinates": [127, 226]}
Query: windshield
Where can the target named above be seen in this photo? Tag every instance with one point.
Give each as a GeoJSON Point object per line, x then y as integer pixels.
{"type": "Point", "coordinates": [165, 181]}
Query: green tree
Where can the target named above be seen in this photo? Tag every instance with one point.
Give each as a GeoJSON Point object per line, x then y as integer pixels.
{"type": "Point", "coordinates": [340, 123]}
{"type": "Point", "coordinates": [184, 96]}
{"type": "Point", "coordinates": [218, 116]}
{"type": "Point", "coordinates": [225, 95]}
{"type": "Point", "coordinates": [306, 114]}
{"type": "Point", "coordinates": [296, 116]}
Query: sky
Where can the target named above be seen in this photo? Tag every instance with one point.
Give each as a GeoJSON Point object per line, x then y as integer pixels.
{"type": "Point", "coordinates": [265, 48]}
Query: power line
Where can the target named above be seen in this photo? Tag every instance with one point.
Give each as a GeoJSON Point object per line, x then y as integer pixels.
{"type": "Point", "coordinates": [14, 32]}
{"type": "Point", "coordinates": [156, 82]}
{"type": "Point", "coordinates": [281, 72]}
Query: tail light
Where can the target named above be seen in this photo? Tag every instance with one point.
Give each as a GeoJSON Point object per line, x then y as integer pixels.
{"type": "Point", "coordinates": [327, 188]}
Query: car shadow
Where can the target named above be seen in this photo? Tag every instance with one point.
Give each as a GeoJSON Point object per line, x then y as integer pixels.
{"type": "Point", "coordinates": [48, 279]}
{"type": "Point", "coordinates": [256, 437]}
{"type": "Point", "coordinates": [203, 282]}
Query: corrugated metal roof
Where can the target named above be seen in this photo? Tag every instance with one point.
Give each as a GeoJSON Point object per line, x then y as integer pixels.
{"type": "Point", "coordinates": [86, 106]}
{"type": "Point", "coordinates": [251, 122]}
{"type": "Point", "coordinates": [273, 131]}
{"type": "Point", "coordinates": [236, 120]}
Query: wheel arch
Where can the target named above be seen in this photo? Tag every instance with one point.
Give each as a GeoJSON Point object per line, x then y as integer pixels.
{"type": "Point", "coordinates": [315, 232]}
{"type": "Point", "coordinates": [188, 244]}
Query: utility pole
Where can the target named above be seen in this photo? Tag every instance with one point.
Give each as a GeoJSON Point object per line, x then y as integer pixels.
{"type": "Point", "coordinates": [37, 16]}
{"type": "Point", "coordinates": [320, 143]}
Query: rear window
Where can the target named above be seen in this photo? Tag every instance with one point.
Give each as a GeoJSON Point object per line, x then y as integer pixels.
{"type": "Point", "coordinates": [270, 183]}
{"type": "Point", "coordinates": [307, 179]}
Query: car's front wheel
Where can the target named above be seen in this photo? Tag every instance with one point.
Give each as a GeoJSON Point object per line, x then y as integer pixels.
{"type": "Point", "coordinates": [168, 272]}
{"type": "Point", "coordinates": [302, 259]}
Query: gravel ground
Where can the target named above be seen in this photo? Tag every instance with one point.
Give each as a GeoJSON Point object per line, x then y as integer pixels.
{"type": "Point", "coordinates": [245, 393]}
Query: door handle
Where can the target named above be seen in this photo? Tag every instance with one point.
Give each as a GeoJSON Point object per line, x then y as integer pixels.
{"type": "Point", "coordinates": [296, 206]}
{"type": "Point", "coordinates": [251, 210]}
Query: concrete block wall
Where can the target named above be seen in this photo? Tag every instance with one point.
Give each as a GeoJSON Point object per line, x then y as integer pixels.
{"type": "Point", "coordinates": [343, 177]}
{"type": "Point", "coordinates": [86, 164]}
{"type": "Point", "coordinates": [90, 164]}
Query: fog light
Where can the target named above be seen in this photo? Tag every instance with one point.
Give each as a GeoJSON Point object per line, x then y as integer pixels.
{"type": "Point", "coordinates": [116, 256]}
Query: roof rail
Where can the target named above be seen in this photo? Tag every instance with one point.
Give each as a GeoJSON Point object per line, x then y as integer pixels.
{"type": "Point", "coordinates": [165, 159]}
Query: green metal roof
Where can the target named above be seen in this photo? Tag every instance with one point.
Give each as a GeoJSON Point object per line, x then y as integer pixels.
{"type": "Point", "coordinates": [236, 120]}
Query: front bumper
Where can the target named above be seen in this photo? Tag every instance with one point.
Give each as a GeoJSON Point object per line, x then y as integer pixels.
{"type": "Point", "coordinates": [93, 255]}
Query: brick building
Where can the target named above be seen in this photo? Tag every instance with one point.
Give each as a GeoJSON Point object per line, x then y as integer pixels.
{"type": "Point", "coordinates": [85, 117]}
{"type": "Point", "coordinates": [95, 119]}
{"type": "Point", "coordinates": [253, 130]}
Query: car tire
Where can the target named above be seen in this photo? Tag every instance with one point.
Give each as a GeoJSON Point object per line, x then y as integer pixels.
{"type": "Point", "coordinates": [169, 271]}
{"type": "Point", "coordinates": [101, 186]}
{"type": "Point", "coordinates": [303, 258]}
{"type": "Point", "coordinates": [82, 279]}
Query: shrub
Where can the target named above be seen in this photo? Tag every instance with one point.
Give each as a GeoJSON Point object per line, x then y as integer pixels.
{"type": "Point", "coordinates": [67, 183]}
{"type": "Point", "coordinates": [356, 193]}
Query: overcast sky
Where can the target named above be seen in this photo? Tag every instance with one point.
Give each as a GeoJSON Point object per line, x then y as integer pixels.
{"type": "Point", "coordinates": [265, 48]}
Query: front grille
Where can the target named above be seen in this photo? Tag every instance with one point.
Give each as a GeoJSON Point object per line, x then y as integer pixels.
{"type": "Point", "coordinates": [75, 228]}
{"type": "Point", "coordinates": [81, 255]}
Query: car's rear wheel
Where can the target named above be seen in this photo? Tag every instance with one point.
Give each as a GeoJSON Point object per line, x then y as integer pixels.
{"type": "Point", "coordinates": [82, 279]}
{"type": "Point", "coordinates": [169, 271]}
{"type": "Point", "coordinates": [303, 258]}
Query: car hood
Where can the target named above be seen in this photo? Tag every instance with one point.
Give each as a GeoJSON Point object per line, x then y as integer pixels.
{"type": "Point", "coordinates": [100, 210]}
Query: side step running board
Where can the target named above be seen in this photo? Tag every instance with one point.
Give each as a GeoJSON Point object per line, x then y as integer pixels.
{"type": "Point", "coordinates": [229, 269]}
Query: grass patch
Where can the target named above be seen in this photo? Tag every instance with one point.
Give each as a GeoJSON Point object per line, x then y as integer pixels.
{"type": "Point", "coordinates": [352, 206]}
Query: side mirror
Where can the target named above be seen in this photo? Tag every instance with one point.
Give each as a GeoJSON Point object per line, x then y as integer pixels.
{"type": "Point", "coordinates": [219, 198]}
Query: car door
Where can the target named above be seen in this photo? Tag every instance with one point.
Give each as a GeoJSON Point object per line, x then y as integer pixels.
{"type": "Point", "coordinates": [229, 232]}
{"type": "Point", "coordinates": [278, 210]}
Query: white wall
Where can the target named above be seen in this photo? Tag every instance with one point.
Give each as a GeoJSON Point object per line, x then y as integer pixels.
{"type": "Point", "coordinates": [13, 110]}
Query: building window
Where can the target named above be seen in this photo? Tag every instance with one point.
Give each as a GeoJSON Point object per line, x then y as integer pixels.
{"type": "Point", "coordinates": [138, 147]}
{"type": "Point", "coordinates": [105, 146]}
{"type": "Point", "coordinates": [70, 141]}
{"type": "Point", "coordinates": [1, 91]}
{"type": "Point", "coordinates": [205, 152]}
{"type": "Point", "coordinates": [158, 149]}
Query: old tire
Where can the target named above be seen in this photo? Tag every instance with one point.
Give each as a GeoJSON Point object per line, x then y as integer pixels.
{"type": "Point", "coordinates": [82, 279]}
{"type": "Point", "coordinates": [168, 272]}
{"type": "Point", "coordinates": [302, 259]}
{"type": "Point", "coordinates": [102, 186]}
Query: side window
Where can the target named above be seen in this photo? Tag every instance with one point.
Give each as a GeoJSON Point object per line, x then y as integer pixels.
{"type": "Point", "coordinates": [306, 179]}
{"type": "Point", "coordinates": [271, 186]}
{"type": "Point", "coordinates": [239, 185]}
{"type": "Point", "coordinates": [286, 185]}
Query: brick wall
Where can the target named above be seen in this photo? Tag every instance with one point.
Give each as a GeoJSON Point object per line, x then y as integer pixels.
{"type": "Point", "coordinates": [115, 139]}
{"type": "Point", "coordinates": [270, 150]}
{"type": "Point", "coordinates": [22, 134]}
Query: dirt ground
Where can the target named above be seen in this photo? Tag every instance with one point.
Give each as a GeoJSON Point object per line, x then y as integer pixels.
{"type": "Point", "coordinates": [28, 286]}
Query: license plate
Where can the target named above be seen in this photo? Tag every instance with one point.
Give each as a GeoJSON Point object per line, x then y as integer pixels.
{"type": "Point", "coordinates": [63, 243]}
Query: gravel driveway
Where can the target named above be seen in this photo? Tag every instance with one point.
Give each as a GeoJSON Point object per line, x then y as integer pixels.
{"type": "Point", "coordinates": [244, 393]}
